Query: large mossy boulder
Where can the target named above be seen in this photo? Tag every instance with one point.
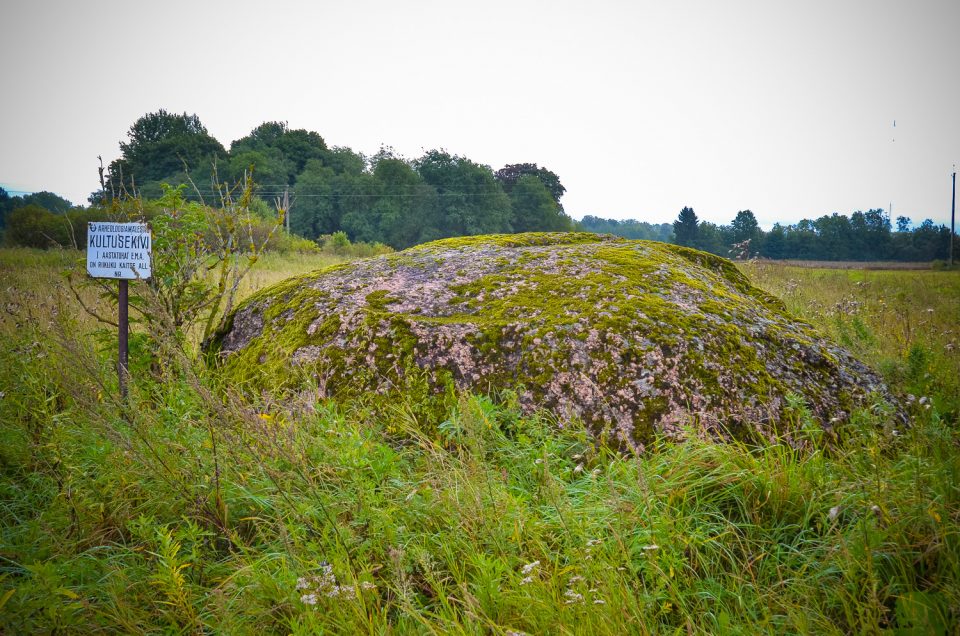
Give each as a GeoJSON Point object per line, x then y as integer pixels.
{"type": "Point", "coordinates": [633, 337]}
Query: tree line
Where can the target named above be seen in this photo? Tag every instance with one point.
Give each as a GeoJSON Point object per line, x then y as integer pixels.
{"type": "Point", "coordinates": [863, 236]}
{"type": "Point", "coordinates": [400, 202]}
{"type": "Point", "coordinates": [383, 198]}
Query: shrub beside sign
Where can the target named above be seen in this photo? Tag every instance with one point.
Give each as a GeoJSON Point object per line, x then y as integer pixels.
{"type": "Point", "coordinates": [119, 250]}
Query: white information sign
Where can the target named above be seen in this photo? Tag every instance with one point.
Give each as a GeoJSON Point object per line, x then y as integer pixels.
{"type": "Point", "coordinates": [118, 250]}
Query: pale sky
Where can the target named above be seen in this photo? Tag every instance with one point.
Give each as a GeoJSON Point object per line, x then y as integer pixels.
{"type": "Point", "coordinates": [641, 108]}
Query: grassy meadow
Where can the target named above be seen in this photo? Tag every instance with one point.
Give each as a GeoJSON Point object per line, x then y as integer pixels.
{"type": "Point", "coordinates": [189, 509]}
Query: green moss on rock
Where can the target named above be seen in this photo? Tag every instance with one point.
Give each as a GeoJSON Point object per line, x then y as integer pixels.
{"type": "Point", "coordinates": [633, 337]}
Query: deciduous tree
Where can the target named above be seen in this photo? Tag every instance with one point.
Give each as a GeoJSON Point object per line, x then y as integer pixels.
{"type": "Point", "coordinates": [534, 209]}
{"type": "Point", "coordinates": [470, 200]}
{"type": "Point", "coordinates": [745, 227]}
{"type": "Point", "coordinates": [511, 173]}
{"type": "Point", "coordinates": [158, 147]}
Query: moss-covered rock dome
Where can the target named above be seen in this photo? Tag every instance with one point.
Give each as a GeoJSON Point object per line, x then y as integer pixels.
{"type": "Point", "coordinates": [633, 337]}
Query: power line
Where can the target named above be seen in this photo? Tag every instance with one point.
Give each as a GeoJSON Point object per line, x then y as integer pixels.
{"type": "Point", "coordinates": [357, 195]}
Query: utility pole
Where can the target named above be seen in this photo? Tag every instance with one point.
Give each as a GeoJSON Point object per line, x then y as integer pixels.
{"type": "Point", "coordinates": [283, 203]}
{"type": "Point", "coordinates": [953, 213]}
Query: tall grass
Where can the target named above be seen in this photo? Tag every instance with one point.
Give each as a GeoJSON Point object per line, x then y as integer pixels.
{"type": "Point", "coordinates": [189, 510]}
{"type": "Point", "coordinates": [904, 323]}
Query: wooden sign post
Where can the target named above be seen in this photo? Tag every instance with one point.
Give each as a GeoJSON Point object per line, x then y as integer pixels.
{"type": "Point", "coordinates": [121, 251]}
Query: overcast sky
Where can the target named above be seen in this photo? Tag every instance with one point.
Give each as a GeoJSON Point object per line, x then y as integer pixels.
{"type": "Point", "coordinates": [641, 108]}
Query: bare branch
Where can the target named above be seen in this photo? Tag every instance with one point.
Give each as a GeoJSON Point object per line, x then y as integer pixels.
{"type": "Point", "coordinates": [83, 304]}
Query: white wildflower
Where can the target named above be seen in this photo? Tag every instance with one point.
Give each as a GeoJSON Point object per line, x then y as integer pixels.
{"type": "Point", "coordinates": [526, 580]}
{"type": "Point", "coordinates": [302, 583]}
{"type": "Point", "coordinates": [341, 590]}
{"type": "Point", "coordinates": [530, 567]}
{"type": "Point", "coordinates": [578, 469]}
{"type": "Point", "coordinates": [575, 579]}
{"type": "Point", "coordinates": [367, 585]}
{"type": "Point", "coordinates": [599, 601]}
{"type": "Point", "coordinates": [309, 599]}
{"type": "Point", "coordinates": [593, 542]}
{"type": "Point", "coordinates": [573, 597]}
{"type": "Point", "coordinates": [652, 546]}
{"type": "Point", "coordinates": [834, 513]}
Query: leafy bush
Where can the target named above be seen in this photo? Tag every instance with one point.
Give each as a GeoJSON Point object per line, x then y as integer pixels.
{"type": "Point", "coordinates": [33, 226]}
{"type": "Point", "coordinates": [339, 243]}
{"type": "Point", "coordinates": [944, 265]}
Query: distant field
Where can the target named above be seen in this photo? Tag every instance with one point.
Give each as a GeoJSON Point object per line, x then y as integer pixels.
{"type": "Point", "coordinates": [847, 264]}
{"type": "Point", "coordinates": [879, 314]}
